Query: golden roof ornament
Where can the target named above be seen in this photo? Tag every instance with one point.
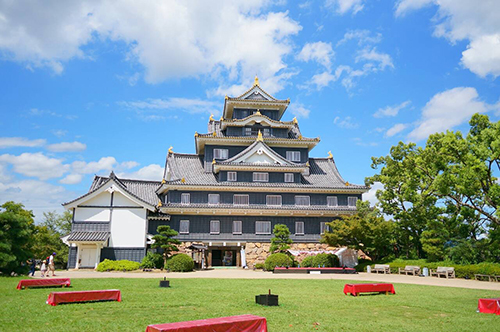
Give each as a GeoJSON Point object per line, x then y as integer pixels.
{"type": "Point", "coordinates": [214, 134]}
{"type": "Point", "coordinates": [170, 149]}
{"type": "Point", "coordinates": [195, 134]}
{"type": "Point", "coordinates": [307, 163]}
{"type": "Point", "coordinates": [221, 118]}
{"type": "Point", "coordinates": [258, 112]}
{"type": "Point", "coordinates": [183, 180]}
{"type": "Point", "coordinates": [259, 137]}
{"type": "Point", "coordinates": [300, 136]}
{"type": "Point", "coordinates": [163, 181]}
{"type": "Point", "coordinates": [213, 161]}
{"type": "Point", "coordinates": [330, 155]}
{"type": "Point", "coordinates": [226, 97]}
{"type": "Point", "coordinates": [159, 203]}
{"type": "Point", "coordinates": [295, 120]}
{"type": "Point", "coordinates": [256, 81]}
{"type": "Point", "coordinates": [347, 183]}
{"type": "Point", "coordinates": [211, 117]}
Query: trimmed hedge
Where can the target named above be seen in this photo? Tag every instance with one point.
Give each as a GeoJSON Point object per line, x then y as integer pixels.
{"type": "Point", "coordinates": [461, 271]}
{"type": "Point", "coordinates": [123, 265]}
{"type": "Point", "coordinates": [307, 262]}
{"type": "Point", "coordinates": [180, 263]}
{"type": "Point", "coordinates": [277, 260]}
{"type": "Point", "coordinates": [259, 266]}
{"type": "Point", "coordinates": [326, 260]}
{"type": "Point", "coordinates": [152, 261]}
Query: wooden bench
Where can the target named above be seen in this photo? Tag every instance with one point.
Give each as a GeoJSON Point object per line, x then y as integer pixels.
{"type": "Point", "coordinates": [410, 269]}
{"type": "Point", "coordinates": [484, 276]}
{"type": "Point", "coordinates": [248, 323]}
{"type": "Point", "coordinates": [448, 272]}
{"type": "Point", "coordinates": [385, 268]}
{"type": "Point", "coordinates": [56, 298]}
{"type": "Point", "coordinates": [46, 282]}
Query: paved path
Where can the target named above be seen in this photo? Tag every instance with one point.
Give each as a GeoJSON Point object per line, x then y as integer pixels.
{"type": "Point", "coordinates": [249, 274]}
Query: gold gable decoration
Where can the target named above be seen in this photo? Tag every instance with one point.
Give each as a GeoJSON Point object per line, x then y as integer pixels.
{"type": "Point", "coordinates": [213, 161]}
{"type": "Point", "coordinates": [211, 118]}
{"type": "Point", "coordinates": [183, 180]}
{"type": "Point", "coordinates": [256, 81]}
{"type": "Point", "coordinates": [295, 120]}
{"type": "Point", "coordinates": [259, 137]}
{"type": "Point", "coordinates": [330, 155]}
{"type": "Point", "coordinates": [258, 112]}
{"type": "Point", "coordinates": [159, 203]}
{"type": "Point", "coordinates": [163, 181]}
{"type": "Point", "coordinates": [170, 149]}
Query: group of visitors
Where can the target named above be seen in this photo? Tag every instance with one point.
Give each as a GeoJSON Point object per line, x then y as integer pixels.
{"type": "Point", "coordinates": [46, 266]}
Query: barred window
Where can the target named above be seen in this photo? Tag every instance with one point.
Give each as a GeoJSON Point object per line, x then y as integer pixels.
{"type": "Point", "coordinates": [248, 131]}
{"type": "Point", "coordinates": [241, 199]}
{"type": "Point", "coordinates": [184, 227]}
{"type": "Point", "coordinates": [293, 155]}
{"type": "Point", "coordinates": [273, 200]}
{"type": "Point", "coordinates": [220, 153]}
{"type": "Point", "coordinates": [237, 227]}
{"type": "Point", "coordinates": [299, 228]}
{"type": "Point", "coordinates": [262, 227]}
{"type": "Point", "coordinates": [213, 198]}
{"type": "Point", "coordinates": [260, 177]}
{"type": "Point", "coordinates": [231, 176]}
{"type": "Point", "coordinates": [302, 200]}
{"type": "Point", "coordinates": [323, 227]}
{"type": "Point", "coordinates": [266, 132]}
{"type": "Point", "coordinates": [351, 201]}
{"type": "Point", "coordinates": [214, 227]}
{"type": "Point", "coordinates": [185, 198]}
{"type": "Point", "coordinates": [332, 201]}
{"type": "Point", "coordinates": [289, 177]}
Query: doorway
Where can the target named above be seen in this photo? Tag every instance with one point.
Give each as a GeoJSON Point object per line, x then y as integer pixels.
{"type": "Point", "coordinates": [88, 256]}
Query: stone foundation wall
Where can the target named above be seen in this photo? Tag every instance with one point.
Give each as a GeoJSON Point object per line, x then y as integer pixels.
{"type": "Point", "coordinates": [257, 252]}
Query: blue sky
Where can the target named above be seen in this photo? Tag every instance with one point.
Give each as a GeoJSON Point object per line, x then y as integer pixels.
{"type": "Point", "coordinates": [93, 86]}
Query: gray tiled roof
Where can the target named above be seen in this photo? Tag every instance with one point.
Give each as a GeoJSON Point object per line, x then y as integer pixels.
{"type": "Point", "coordinates": [322, 174]}
{"type": "Point", "coordinates": [88, 236]}
{"type": "Point", "coordinates": [140, 189]}
{"type": "Point", "coordinates": [294, 132]}
{"type": "Point", "coordinates": [247, 237]}
{"type": "Point", "coordinates": [340, 208]}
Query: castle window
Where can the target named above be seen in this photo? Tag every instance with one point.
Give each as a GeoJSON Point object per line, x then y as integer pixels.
{"type": "Point", "coordinates": [185, 199]}
{"type": "Point", "coordinates": [266, 132]}
{"type": "Point", "coordinates": [332, 201]}
{"type": "Point", "coordinates": [237, 229]}
{"type": "Point", "coordinates": [288, 177]}
{"type": "Point", "coordinates": [302, 200]}
{"type": "Point", "coordinates": [221, 153]}
{"type": "Point", "coordinates": [248, 131]}
{"type": "Point", "coordinates": [323, 227]}
{"type": "Point", "coordinates": [260, 177]}
{"type": "Point", "coordinates": [262, 227]}
{"type": "Point", "coordinates": [241, 199]}
{"type": "Point", "coordinates": [299, 228]}
{"type": "Point", "coordinates": [273, 200]}
{"type": "Point", "coordinates": [231, 176]}
{"type": "Point", "coordinates": [213, 198]}
{"type": "Point", "coordinates": [214, 227]}
{"type": "Point", "coordinates": [293, 155]}
{"type": "Point", "coordinates": [184, 227]}
{"type": "Point", "coordinates": [351, 201]}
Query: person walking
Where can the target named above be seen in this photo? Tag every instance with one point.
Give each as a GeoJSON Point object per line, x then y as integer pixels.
{"type": "Point", "coordinates": [32, 263]}
{"type": "Point", "coordinates": [51, 265]}
{"type": "Point", "coordinates": [43, 268]}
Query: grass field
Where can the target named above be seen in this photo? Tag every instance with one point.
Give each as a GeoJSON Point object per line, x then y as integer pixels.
{"type": "Point", "coordinates": [302, 304]}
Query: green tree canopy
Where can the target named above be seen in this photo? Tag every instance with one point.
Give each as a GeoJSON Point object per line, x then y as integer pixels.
{"type": "Point", "coordinates": [165, 240]}
{"type": "Point", "coordinates": [366, 230]}
{"type": "Point", "coordinates": [281, 240]}
{"type": "Point", "coordinates": [16, 227]}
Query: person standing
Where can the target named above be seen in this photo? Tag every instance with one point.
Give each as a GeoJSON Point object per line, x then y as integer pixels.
{"type": "Point", "coordinates": [43, 268]}
{"type": "Point", "coordinates": [51, 265]}
{"type": "Point", "coordinates": [32, 267]}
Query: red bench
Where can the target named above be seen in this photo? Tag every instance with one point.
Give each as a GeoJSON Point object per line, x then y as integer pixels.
{"type": "Point", "coordinates": [244, 323]}
{"type": "Point", "coordinates": [355, 289]}
{"type": "Point", "coordinates": [56, 298]}
{"type": "Point", "coordinates": [47, 282]}
{"type": "Point", "coordinates": [489, 306]}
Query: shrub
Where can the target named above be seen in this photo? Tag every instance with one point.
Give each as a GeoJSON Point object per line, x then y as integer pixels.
{"type": "Point", "coordinates": [123, 265]}
{"type": "Point", "coordinates": [180, 263]}
{"type": "Point", "coordinates": [326, 260]}
{"type": "Point", "coordinates": [362, 264]}
{"type": "Point", "coordinates": [152, 261]}
{"type": "Point", "coordinates": [307, 262]}
{"type": "Point", "coordinates": [278, 259]}
{"type": "Point", "coordinates": [259, 266]}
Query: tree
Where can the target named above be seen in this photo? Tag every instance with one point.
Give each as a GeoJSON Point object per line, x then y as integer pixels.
{"type": "Point", "coordinates": [16, 227]}
{"type": "Point", "coordinates": [59, 223]}
{"type": "Point", "coordinates": [45, 241]}
{"type": "Point", "coordinates": [366, 230]}
{"type": "Point", "coordinates": [281, 240]}
{"type": "Point", "coordinates": [164, 239]}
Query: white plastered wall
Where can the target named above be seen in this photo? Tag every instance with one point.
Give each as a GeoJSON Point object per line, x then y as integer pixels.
{"type": "Point", "coordinates": [128, 228]}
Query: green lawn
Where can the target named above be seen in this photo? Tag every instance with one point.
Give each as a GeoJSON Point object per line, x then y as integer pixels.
{"type": "Point", "coordinates": [302, 303]}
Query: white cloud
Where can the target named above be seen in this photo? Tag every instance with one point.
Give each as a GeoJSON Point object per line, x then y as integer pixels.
{"type": "Point", "coordinates": [371, 194]}
{"type": "Point", "coordinates": [475, 21]}
{"type": "Point", "coordinates": [397, 128]}
{"type": "Point", "coordinates": [35, 165]}
{"type": "Point", "coordinates": [128, 165]}
{"type": "Point", "coordinates": [362, 36]}
{"type": "Point", "coordinates": [391, 110]}
{"type": "Point", "coordinates": [320, 52]}
{"type": "Point", "coordinates": [346, 123]}
{"type": "Point", "coordinates": [343, 6]}
{"type": "Point", "coordinates": [59, 133]}
{"type": "Point", "coordinates": [151, 172]}
{"type": "Point", "coordinates": [12, 142]}
{"type": "Point", "coordinates": [170, 38]}
{"type": "Point", "coordinates": [299, 110]}
{"type": "Point", "coordinates": [155, 109]}
{"type": "Point", "coordinates": [383, 59]}
{"type": "Point", "coordinates": [104, 164]}
{"type": "Point", "coordinates": [447, 110]}
{"type": "Point", "coordinates": [72, 179]}
{"type": "Point", "coordinates": [67, 147]}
